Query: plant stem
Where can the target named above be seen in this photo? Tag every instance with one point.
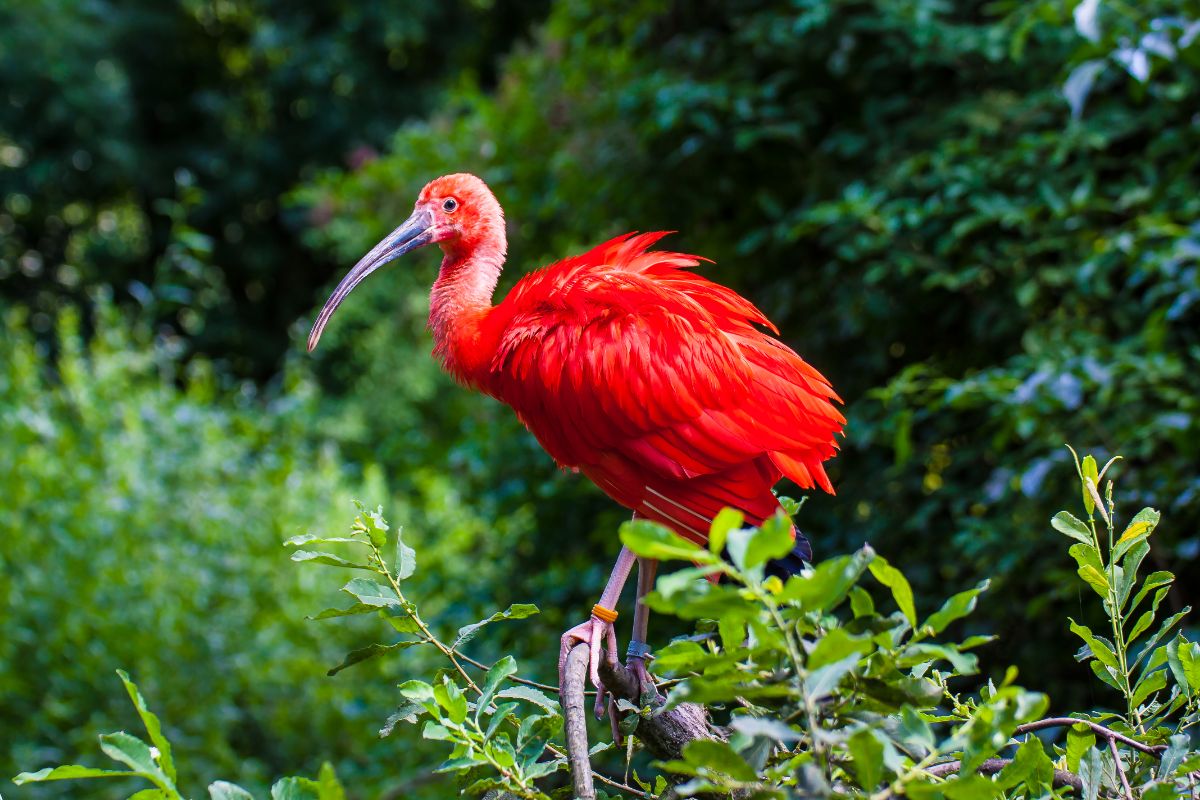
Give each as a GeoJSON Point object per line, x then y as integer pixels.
{"type": "Point", "coordinates": [1114, 618]}
{"type": "Point", "coordinates": [810, 708]}
{"type": "Point", "coordinates": [453, 655]}
{"type": "Point", "coordinates": [411, 610]}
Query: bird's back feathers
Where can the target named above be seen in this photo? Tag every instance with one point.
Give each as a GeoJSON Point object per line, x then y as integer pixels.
{"type": "Point", "coordinates": [658, 384]}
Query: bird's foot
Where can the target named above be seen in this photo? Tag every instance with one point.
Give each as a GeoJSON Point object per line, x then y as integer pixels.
{"type": "Point", "coordinates": [635, 659]}
{"type": "Point", "coordinates": [598, 634]}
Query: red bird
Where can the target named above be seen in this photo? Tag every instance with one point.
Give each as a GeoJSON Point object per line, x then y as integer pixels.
{"type": "Point", "coordinates": [654, 382]}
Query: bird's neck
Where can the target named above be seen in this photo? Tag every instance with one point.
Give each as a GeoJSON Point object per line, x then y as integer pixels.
{"type": "Point", "coordinates": [458, 306]}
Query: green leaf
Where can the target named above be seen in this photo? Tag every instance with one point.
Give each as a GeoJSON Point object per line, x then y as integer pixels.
{"type": "Point", "coordinates": [543, 768]}
{"type": "Point", "coordinates": [222, 790]}
{"type": "Point", "coordinates": [135, 754]}
{"type": "Point", "coordinates": [1147, 685]}
{"type": "Point", "coordinates": [1162, 631]}
{"type": "Point", "coordinates": [328, 785]}
{"type": "Point", "coordinates": [1106, 674]}
{"type": "Point", "coordinates": [767, 727]}
{"type": "Point", "coordinates": [1184, 660]}
{"type": "Point", "coordinates": [330, 613]}
{"type": "Point", "coordinates": [772, 540]}
{"type": "Point", "coordinates": [709, 754]}
{"type": "Point", "coordinates": [294, 789]}
{"type": "Point", "coordinates": [369, 652]}
{"type": "Point", "coordinates": [1030, 766]}
{"type": "Point", "coordinates": [1099, 647]}
{"type": "Point", "coordinates": [1173, 756]}
{"type": "Point", "coordinates": [326, 558]}
{"type": "Point", "coordinates": [1091, 569]}
{"type": "Point", "coordinates": [417, 691]}
{"type": "Point", "coordinates": [313, 538]}
{"type": "Point", "coordinates": [1067, 523]}
{"type": "Point", "coordinates": [516, 611]}
{"type": "Point", "coordinates": [450, 697]}
{"type": "Point", "coordinates": [1080, 740]}
{"type": "Point", "coordinates": [152, 725]}
{"type": "Point", "coordinates": [495, 676]}
{"type": "Point", "coordinates": [1143, 624]}
{"type": "Point", "coordinates": [866, 758]}
{"type": "Point", "coordinates": [1129, 569]}
{"type": "Point", "coordinates": [460, 763]}
{"type": "Point", "coordinates": [837, 645]}
{"type": "Point", "coordinates": [1142, 524]}
{"type": "Point", "coordinates": [405, 713]}
{"type": "Point", "coordinates": [70, 772]}
{"type": "Point", "coordinates": [957, 607]}
{"type": "Point", "coordinates": [502, 712]}
{"type": "Point", "coordinates": [892, 578]}
{"type": "Point", "coordinates": [727, 519]}
{"type": "Point", "coordinates": [652, 540]}
{"type": "Point", "coordinates": [437, 732]}
{"type": "Point", "coordinates": [861, 604]}
{"type": "Point", "coordinates": [1091, 773]}
{"type": "Point", "coordinates": [502, 751]}
{"type": "Point", "coordinates": [962, 663]}
{"type": "Point", "coordinates": [370, 593]}
{"type": "Point", "coordinates": [1153, 581]}
{"type": "Point", "coordinates": [405, 558]}
{"type": "Point", "coordinates": [827, 583]}
{"type": "Point", "coordinates": [532, 695]}
{"type": "Point", "coordinates": [821, 682]}
{"type": "Point", "coordinates": [1089, 471]}
{"type": "Point", "coordinates": [916, 731]}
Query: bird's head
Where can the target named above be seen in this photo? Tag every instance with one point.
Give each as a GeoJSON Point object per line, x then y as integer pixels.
{"type": "Point", "coordinates": [457, 211]}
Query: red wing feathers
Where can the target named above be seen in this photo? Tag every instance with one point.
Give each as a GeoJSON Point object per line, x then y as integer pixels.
{"type": "Point", "coordinates": [658, 385]}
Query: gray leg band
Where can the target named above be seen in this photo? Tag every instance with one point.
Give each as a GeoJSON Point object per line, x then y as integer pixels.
{"type": "Point", "coordinates": [637, 649]}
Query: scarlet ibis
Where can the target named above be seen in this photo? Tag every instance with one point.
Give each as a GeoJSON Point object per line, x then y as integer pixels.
{"type": "Point", "coordinates": [657, 384]}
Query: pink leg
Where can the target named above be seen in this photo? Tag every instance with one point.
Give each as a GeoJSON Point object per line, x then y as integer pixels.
{"type": "Point", "coordinates": [638, 649]}
{"type": "Point", "coordinates": [596, 633]}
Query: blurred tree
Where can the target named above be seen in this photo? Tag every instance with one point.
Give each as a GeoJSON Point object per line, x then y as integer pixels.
{"type": "Point", "coordinates": [978, 219]}
{"type": "Point", "coordinates": [110, 111]}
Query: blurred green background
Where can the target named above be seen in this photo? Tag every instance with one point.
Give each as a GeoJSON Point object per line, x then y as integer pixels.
{"type": "Point", "coordinates": [979, 219]}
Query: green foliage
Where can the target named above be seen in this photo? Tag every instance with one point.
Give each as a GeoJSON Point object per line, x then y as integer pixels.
{"type": "Point", "coordinates": [152, 762]}
{"type": "Point", "coordinates": [140, 520]}
{"type": "Point", "coordinates": [145, 145]}
{"type": "Point", "coordinates": [905, 190]}
{"type": "Point", "coordinates": [822, 689]}
{"type": "Point", "coordinates": [977, 218]}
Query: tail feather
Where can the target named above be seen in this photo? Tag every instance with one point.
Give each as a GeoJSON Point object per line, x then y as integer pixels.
{"type": "Point", "coordinates": [793, 562]}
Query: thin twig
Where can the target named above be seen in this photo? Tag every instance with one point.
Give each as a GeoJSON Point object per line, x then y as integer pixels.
{"type": "Point", "coordinates": [544, 686]}
{"type": "Point", "coordinates": [1112, 746]}
{"type": "Point", "coordinates": [1155, 750]}
{"type": "Point", "coordinates": [547, 686]}
{"type": "Point", "coordinates": [993, 765]}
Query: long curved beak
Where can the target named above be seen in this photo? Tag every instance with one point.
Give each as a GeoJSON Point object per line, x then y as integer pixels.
{"type": "Point", "coordinates": [413, 233]}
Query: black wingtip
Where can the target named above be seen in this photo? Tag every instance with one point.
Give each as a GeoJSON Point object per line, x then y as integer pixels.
{"type": "Point", "coordinates": [793, 562]}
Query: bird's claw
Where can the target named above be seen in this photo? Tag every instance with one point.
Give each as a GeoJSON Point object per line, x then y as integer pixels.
{"type": "Point", "coordinates": [647, 689]}
{"type": "Point", "coordinates": [598, 635]}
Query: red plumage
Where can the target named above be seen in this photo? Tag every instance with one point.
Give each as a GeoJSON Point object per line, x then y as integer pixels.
{"type": "Point", "coordinates": [656, 383]}
{"type": "Point", "coordinates": [659, 385]}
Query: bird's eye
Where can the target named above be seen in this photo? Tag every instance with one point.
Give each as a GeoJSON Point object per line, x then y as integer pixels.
{"type": "Point", "coordinates": [450, 205]}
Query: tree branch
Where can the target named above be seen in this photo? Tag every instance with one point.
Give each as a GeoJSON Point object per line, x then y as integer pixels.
{"type": "Point", "coordinates": [993, 765]}
{"type": "Point", "coordinates": [664, 734]}
{"type": "Point", "coordinates": [571, 696]}
{"type": "Point", "coordinates": [1155, 750]}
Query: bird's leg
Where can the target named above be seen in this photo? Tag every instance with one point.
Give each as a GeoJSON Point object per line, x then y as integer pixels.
{"type": "Point", "coordinates": [635, 655]}
{"type": "Point", "coordinates": [599, 631]}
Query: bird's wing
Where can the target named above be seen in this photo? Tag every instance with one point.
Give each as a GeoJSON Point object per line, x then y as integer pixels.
{"type": "Point", "coordinates": [628, 367]}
